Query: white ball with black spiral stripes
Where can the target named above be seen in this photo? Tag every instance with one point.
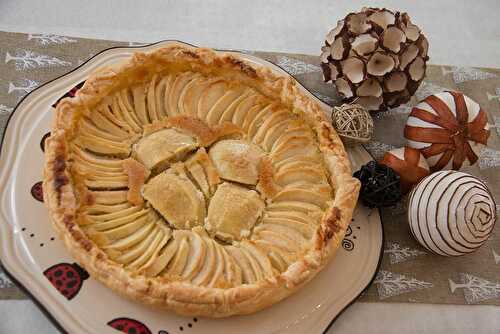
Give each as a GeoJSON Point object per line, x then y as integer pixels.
{"type": "Point", "coordinates": [451, 213]}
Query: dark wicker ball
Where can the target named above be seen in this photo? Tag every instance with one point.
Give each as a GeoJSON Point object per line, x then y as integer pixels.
{"type": "Point", "coordinates": [379, 185]}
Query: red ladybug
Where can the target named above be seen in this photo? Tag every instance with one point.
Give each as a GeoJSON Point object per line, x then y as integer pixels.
{"type": "Point", "coordinates": [71, 93]}
{"type": "Point", "coordinates": [42, 142]}
{"type": "Point", "coordinates": [129, 326]}
{"type": "Point", "coordinates": [66, 278]}
{"type": "Point", "coordinates": [37, 191]}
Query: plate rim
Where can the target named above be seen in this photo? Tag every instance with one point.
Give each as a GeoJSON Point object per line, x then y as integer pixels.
{"type": "Point", "coordinates": [40, 305]}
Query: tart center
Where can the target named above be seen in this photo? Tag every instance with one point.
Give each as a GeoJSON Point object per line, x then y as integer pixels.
{"type": "Point", "coordinates": [188, 192]}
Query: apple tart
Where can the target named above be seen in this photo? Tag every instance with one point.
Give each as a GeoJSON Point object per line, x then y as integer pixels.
{"type": "Point", "coordinates": [196, 181]}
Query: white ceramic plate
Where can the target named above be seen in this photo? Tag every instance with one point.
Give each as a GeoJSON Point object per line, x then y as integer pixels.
{"type": "Point", "coordinates": [28, 246]}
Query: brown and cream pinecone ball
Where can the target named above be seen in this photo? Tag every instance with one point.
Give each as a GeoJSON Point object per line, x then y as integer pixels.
{"type": "Point", "coordinates": [375, 57]}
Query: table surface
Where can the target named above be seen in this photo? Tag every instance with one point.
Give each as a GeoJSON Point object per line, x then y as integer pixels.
{"type": "Point", "coordinates": [460, 33]}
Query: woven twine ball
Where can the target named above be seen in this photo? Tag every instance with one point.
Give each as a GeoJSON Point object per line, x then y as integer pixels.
{"type": "Point", "coordinates": [353, 123]}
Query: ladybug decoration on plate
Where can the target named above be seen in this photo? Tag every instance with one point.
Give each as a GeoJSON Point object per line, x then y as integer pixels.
{"type": "Point", "coordinates": [449, 128]}
{"type": "Point", "coordinates": [129, 326]}
{"type": "Point", "coordinates": [66, 278]}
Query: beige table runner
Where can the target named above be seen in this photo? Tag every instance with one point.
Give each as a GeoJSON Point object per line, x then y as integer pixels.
{"type": "Point", "coordinates": [408, 273]}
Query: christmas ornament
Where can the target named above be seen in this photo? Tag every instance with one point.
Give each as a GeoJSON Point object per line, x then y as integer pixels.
{"type": "Point", "coordinates": [449, 129]}
{"type": "Point", "coordinates": [375, 56]}
{"type": "Point", "coordinates": [379, 185]}
{"type": "Point", "coordinates": [409, 163]}
{"type": "Point", "coordinates": [353, 123]}
{"type": "Point", "coordinates": [451, 213]}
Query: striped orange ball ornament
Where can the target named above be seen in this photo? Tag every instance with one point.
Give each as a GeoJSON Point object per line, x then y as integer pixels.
{"type": "Point", "coordinates": [409, 163]}
{"type": "Point", "coordinates": [449, 128]}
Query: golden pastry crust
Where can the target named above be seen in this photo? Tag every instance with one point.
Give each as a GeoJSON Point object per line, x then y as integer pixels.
{"type": "Point", "coordinates": [65, 195]}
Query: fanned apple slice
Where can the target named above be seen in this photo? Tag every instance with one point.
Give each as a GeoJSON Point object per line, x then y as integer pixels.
{"type": "Point", "coordinates": [96, 182]}
{"type": "Point", "coordinates": [163, 259]}
{"type": "Point", "coordinates": [106, 225]}
{"type": "Point", "coordinates": [274, 133]}
{"type": "Point", "coordinates": [176, 199]}
{"type": "Point", "coordinates": [198, 175]}
{"type": "Point", "coordinates": [253, 101]}
{"type": "Point", "coordinates": [88, 127]}
{"type": "Point", "coordinates": [114, 215]}
{"type": "Point", "coordinates": [248, 275]}
{"type": "Point", "coordinates": [295, 145]}
{"type": "Point", "coordinates": [176, 90]}
{"type": "Point", "coordinates": [217, 279]}
{"type": "Point", "coordinates": [293, 132]}
{"type": "Point", "coordinates": [294, 215]}
{"type": "Point", "coordinates": [167, 234]}
{"type": "Point", "coordinates": [147, 253]}
{"type": "Point", "coordinates": [81, 163]}
{"type": "Point", "coordinates": [133, 239]}
{"type": "Point", "coordinates": [211, 173]}
{"type": "Point", "coordinates": [128, 107]}
{"type": "Point", "coordinates": [109, 197]}
{"type": "Point", "coordinates": [105, 238]}
{"type": "Point", "coordinates": [94, 171]}
{"type": "Point", "coordinates": [190, 97]}
{"type": "Point", "coordinates": [215, 113]}
{"type": "Point", "coordinates": [307, 208]}
{"type": "Point", "coordinates": [256, 116]}
{"type": "Point", "coordinates": [196, 256]}
{"type": "Point", "coordinates": [104, 146]}
{"type": "Point", "coordinates": [129, 255]}
{"type": "Point", "coordinates": [299, 162]}
{"type": "Point", "coordinates": [96, 209]}
{"type": "Point", "coordinates": [275, 118]}
{"type": "Point", "coordinates": [279, 258]}
{"type": "Point", "coordinates": [158, 148]}
{"type": "Point", "coordinates": [232, 272]}
{"type": "Point", "coordinates": [96, 161]}
{"type": "Point", "coordinates": [206, 272]}
{"type": "Point", "coordinates": [207, 177]}
{"type": "Point", "coordinates": [105, 119]}
{"type": "Point", "coordinates": [254, 264]}
{"type": "Point", "coordinates": [139, 100]}
{"type": "Point", "coordinates": [285, 230]}
{"type": "Point", "coordinates": [178, 263]}
{"type": "Point", "coordinates": [277, 261]}
{"type": "Point", "coordinates": [126, 229]}
{"type": "Point", "coordinates": [260, 258]}
{"type": "Point", "coordinates": [307, 230]}
{"type": "Point", "coordinates": [120, 111]}
{"type": "Point", "coordinates": [161, 94]}
{"type": "Point", "coordinates": [276, 239]}
{"type": "Point", "coordinates": [209, 98]}
{"type": "Point", "coordinates": [151, 99]}
{"type": "Point", "coordinates": [309, 174]}
{"type": "Point", "coordinates": [228, 114]}
{"type": "Point", "coordinates": [312, 195]}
